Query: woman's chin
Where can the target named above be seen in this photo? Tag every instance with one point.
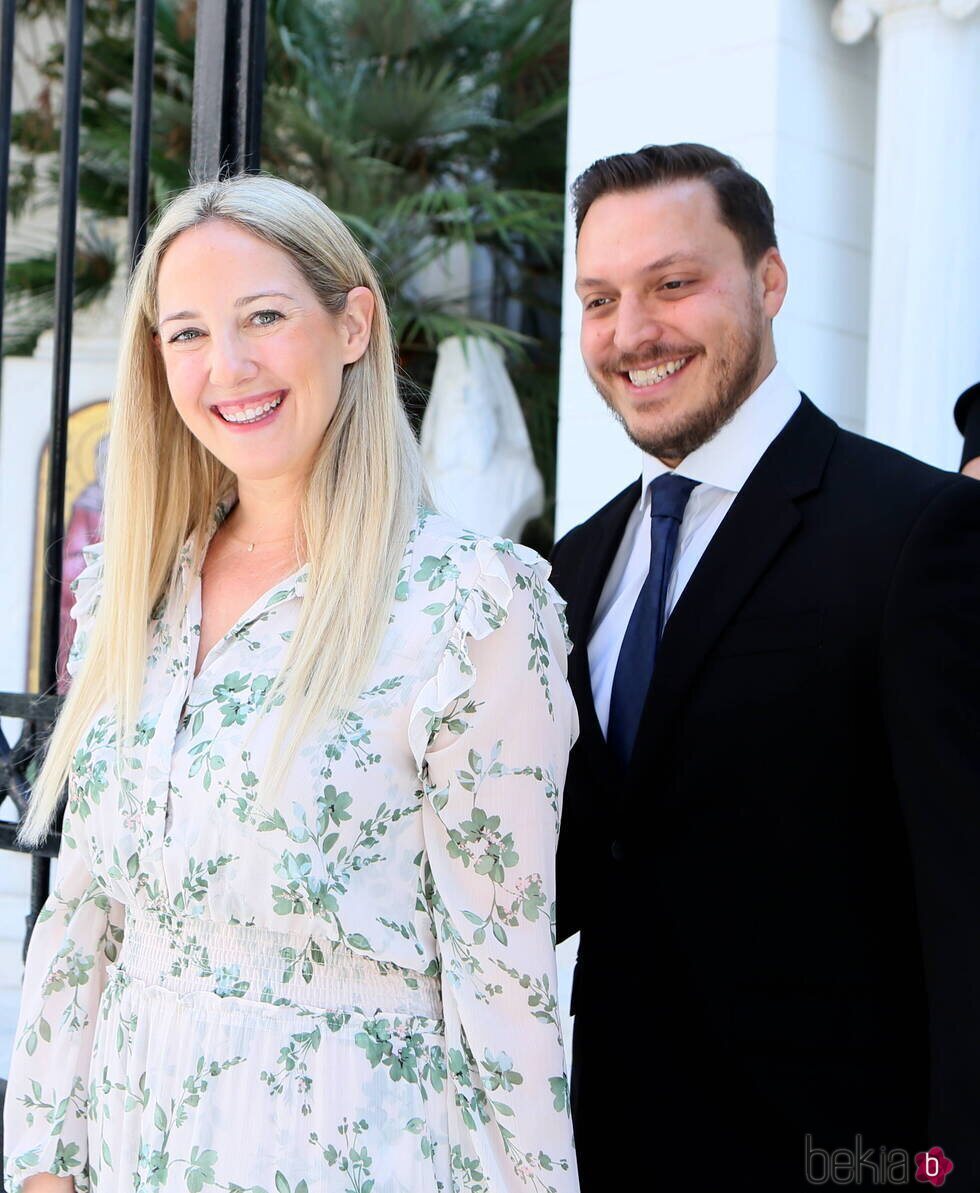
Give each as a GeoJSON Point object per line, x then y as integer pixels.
{"type": "Point", "coordinates": [268, 471]}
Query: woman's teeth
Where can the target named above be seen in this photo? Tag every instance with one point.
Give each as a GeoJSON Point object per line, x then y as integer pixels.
{"type": "Point", "coordinates": [252, 413]}
{"type": "Point", "coordinates": [657, 373]}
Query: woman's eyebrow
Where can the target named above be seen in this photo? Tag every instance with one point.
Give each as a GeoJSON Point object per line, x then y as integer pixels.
{"type": "Point", "coordinates": [242, 302]}
{"type": "Point", "coordinates": [239, 302]}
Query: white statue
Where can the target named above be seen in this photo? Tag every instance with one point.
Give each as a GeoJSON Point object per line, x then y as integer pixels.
{"type": "Point", "coordinates": [475, 445]}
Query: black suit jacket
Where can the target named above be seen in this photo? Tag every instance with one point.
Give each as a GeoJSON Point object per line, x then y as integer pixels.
{"type": "Point", "coordinates": [779, 899]}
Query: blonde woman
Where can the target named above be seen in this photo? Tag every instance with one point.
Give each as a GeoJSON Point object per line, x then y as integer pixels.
{"type": "Point", "coordinates": [302, 934]}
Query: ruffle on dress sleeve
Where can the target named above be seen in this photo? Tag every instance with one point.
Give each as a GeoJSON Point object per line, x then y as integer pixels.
{"type": "Point", "coordinates": [482, 610]}
{"type": "Point", "coordinates": [87, 588]}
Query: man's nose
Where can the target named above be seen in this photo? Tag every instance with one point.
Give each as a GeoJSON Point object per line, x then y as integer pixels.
{"type": "Point", "coordinates": [231, 363]}
{"type": "Point", "coordinates": [636, 324]}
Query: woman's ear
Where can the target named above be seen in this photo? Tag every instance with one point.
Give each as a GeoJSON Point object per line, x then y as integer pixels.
{"type": "Point", "coordinates": [355, 323]}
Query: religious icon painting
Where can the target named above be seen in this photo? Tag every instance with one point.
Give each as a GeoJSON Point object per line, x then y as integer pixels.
{"type": "Point", "coordinates": [88, 442]}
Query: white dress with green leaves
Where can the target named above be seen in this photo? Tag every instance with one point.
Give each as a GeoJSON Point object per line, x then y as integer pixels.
{"type": "Point", "coordinates": [351, 986]}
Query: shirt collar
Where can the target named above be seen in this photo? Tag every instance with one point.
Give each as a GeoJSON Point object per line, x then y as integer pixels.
{"type": "Point", "coordinates": [726, 460]}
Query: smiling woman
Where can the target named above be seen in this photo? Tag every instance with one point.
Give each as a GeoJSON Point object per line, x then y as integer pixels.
{"type": "Point", "coordinates": [315, 749]}
{"type": "Point", "coordinates": [244, 362]}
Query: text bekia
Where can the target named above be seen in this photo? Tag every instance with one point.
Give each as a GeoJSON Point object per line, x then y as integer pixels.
{"type": "Point", "coordinates": [869, 1166]}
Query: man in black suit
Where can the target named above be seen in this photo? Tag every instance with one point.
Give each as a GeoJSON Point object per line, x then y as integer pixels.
{"type": "Point", "coordinates": [771, 831]}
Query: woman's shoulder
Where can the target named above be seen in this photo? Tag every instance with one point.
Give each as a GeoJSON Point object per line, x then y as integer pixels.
{"type": "Point", "coordinates": [472, 577]}
{"type": "Point", "coordinates": [87, 585]}
{"type": "Point", "coordinates": [443, 550]}
{"type": "Point", "coordinates": [87, 588]}
{"type": "Point", "coordinates": [466, 586]}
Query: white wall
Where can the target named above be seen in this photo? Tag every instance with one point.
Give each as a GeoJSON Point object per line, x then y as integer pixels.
{"type": "Point", "coordinates": [765, 81]}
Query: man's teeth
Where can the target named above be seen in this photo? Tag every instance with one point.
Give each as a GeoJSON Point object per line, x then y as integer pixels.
{"type": "Point", "coordinates": [252, 413]}
{"type": "Point", "coordinates": [657, 373]}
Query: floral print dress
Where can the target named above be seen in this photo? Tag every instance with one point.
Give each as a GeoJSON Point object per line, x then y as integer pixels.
{"type": "Point", "coordinates": [350, 986]}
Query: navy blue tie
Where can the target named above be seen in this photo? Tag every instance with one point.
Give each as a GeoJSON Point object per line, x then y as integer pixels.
{"type": "Point", "coordinates": [637, 655]}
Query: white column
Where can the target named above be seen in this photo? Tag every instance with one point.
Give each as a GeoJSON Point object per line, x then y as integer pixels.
{"type": "Point", "coordinates": [924, 331]}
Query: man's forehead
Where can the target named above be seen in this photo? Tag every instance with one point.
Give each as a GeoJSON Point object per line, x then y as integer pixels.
{"type": "Point", "coordinates": [694, 197]}
{"type": "Point", "coordinates": [650, 228]}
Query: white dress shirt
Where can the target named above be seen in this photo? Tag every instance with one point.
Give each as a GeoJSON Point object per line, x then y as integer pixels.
{"type": "Point", "coordinates": [721, 467]}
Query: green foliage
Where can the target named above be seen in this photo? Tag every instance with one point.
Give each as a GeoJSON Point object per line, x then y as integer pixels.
{"type": "Point", "coordinates": [426, 124]}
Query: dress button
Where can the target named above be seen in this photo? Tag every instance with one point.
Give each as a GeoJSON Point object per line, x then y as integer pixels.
{"type": "Point", "coordinates": [618, 851]}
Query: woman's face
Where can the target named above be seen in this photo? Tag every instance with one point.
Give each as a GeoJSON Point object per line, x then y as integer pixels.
{"type": "Point", "coordinates": [253, 361]}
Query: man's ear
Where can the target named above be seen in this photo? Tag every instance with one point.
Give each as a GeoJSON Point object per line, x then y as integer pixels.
{"type": "Point", "coordinates": [356, 323]}
{"type": "Point", "coordinates": [775, 281]}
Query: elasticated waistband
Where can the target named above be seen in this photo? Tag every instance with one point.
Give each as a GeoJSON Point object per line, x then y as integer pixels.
{"type": "Point", "coordinates": [188, 955]}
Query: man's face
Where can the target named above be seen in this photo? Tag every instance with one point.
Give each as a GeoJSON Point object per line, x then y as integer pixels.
{"type": "Point", "coordinates": [676, 328]}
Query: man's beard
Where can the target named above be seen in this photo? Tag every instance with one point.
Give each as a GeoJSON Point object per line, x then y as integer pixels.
{"type": "Point", "coordinates": [731, 381]}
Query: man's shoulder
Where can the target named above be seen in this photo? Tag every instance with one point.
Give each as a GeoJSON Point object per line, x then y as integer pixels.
{"type": "Point", "coordinates": [885, 475]}
{"type": "Point", "coordinates": [877, 493]}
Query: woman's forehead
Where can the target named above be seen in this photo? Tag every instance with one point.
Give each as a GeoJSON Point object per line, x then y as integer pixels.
{"type": "Point", "coordinates": [222, 259]}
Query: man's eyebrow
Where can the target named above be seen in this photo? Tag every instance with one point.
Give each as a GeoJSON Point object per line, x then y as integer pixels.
{"type": "Point", "coordinates": [653, 267]}
{"type": "Point", "coordinates": [239, 302]}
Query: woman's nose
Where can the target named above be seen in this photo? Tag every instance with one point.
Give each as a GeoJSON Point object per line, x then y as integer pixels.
{"type": "Point", "coordinates": [231, 362]}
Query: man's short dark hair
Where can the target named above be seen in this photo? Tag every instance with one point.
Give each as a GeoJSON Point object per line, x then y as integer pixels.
{"type": "Point", "coordinates": [743, 201]}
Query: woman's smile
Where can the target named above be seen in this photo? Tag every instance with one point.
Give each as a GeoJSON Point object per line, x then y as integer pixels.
{"type": "Point", "coordinates": [249, 413]}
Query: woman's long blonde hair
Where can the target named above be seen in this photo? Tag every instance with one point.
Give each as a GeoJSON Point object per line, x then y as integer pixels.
{"type": "Point", "coordinates": [162, 486]}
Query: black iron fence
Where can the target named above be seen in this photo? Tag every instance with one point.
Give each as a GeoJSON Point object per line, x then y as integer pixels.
{"type": "Point", "coordinates": [229, 65]}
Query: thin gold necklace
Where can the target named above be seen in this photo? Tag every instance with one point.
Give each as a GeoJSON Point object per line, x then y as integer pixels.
{"type": "Point", "coordinates": [250, 546]}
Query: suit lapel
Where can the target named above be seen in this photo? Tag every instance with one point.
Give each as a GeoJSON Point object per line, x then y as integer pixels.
{"type": "Point", "coordinates": [593, 562]}
{"type": "Point", "coordinates": [761, 520]}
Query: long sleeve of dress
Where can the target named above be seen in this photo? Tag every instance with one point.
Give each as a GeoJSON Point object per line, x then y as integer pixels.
{"type": "Point", "coordinates": [76, 935]}
{"type": "Point", "coordinates": [491, 731]}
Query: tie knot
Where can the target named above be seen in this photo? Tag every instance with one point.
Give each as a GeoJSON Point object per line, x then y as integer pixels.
{"type": "Point", "coordinates": [669, 494]}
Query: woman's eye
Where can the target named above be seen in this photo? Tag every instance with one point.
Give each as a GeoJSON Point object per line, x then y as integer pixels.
{"type": "Point", "coordinates": [266, 318]}
{"type": "Point", "coordinates": [185, 336]}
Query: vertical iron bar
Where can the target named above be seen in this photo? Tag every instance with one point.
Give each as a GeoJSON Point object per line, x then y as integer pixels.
{"type": "Point", "coordinates": [7, 8]}
{"type": "Point", "coordinates": [229, 73]}
{"type": "Point", "coordinates": [64, 294]}
{"type": "Point", "coordinates": [139, 141]}
{"type": "Point", "coordinates": [251, 80]}
{"type": "Point", "coordinates": [212, 68]}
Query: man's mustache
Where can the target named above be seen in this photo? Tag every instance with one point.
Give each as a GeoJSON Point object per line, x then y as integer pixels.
{"type": "Point", "coordinates": [660, 354]}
